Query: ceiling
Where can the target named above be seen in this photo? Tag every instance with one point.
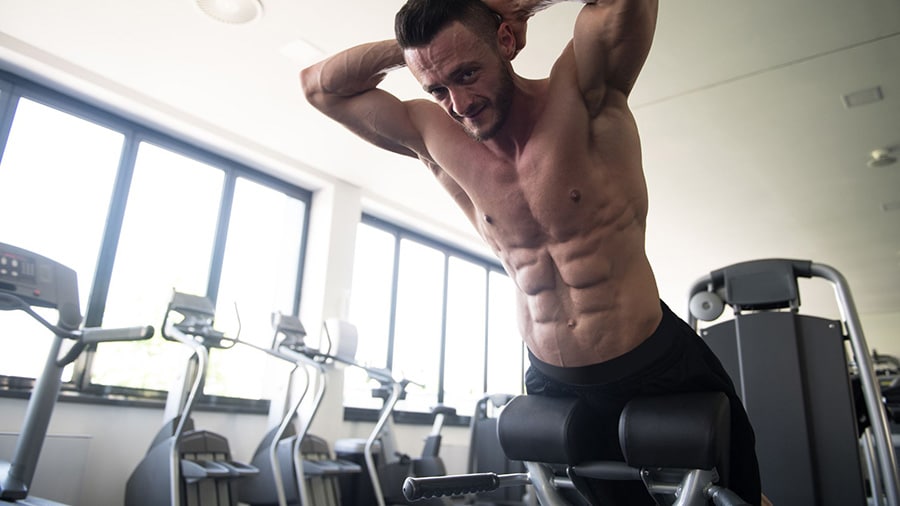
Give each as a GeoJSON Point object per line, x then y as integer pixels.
{"type": "Point", "coordinates": [749, 149]}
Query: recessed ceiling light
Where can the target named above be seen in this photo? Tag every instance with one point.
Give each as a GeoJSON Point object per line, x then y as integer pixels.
{"type": "Point", "coordinates": [231, 11]}
{"type": "Point", "coordinates": [881, 158]}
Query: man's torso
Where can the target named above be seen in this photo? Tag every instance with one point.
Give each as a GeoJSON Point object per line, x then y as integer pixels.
{"type": "Point", "coordinates": [566, 214]}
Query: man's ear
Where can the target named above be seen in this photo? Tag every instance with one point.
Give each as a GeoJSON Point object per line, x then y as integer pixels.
{"type": "Point", "coordinates": [507, 42]}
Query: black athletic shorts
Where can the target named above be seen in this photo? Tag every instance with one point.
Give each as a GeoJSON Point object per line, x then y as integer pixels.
{"type": "Point", "coordinates": [673, 359]}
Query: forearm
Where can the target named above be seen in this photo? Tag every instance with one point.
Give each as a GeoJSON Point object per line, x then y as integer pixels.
{"type": "Point", "coordinates": [351, 72]}
{"type": "Point", "coordinates": [516, 14]}
{"type": "Point", "coordinates": [543, 4]}
{"type": "Point", "coordinates": [527, 8]}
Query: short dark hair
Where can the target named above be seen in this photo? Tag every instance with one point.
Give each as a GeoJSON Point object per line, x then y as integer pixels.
{"type": "Point", "coordinates": [419, 21]}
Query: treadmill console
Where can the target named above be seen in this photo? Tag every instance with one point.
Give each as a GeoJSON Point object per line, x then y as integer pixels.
{"type": "Point", "coordinates": [40, 281]}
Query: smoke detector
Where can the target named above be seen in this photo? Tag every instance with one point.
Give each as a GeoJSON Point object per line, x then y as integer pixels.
{"type": "Point", "coordinates": [231, 11]}
{"type": "Point", "coordinates": [881, 158]}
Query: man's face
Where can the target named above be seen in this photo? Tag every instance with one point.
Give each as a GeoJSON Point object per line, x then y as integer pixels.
{"type": "Point", "coordinates": [467, 77]}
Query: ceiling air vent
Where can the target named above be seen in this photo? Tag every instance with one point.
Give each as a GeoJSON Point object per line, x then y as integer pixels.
{"type": "Point", "coordinates": [862, 97]}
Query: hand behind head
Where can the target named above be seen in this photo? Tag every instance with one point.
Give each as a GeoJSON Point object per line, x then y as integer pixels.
{"type": "Point", "coordinates": [513, 15]}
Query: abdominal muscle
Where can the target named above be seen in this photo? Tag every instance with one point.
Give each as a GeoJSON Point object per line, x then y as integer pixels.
{"type": "Point", "coordinates": [588, 310]}
{"type": "Point", "coordinates": [586, 291]}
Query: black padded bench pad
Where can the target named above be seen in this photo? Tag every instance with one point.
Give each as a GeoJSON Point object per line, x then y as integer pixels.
{"type": "Point", "coordinates": [674, 431]}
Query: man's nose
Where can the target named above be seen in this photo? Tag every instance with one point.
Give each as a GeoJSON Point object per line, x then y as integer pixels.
{"type": "Point", "coordinates": [461, 101]}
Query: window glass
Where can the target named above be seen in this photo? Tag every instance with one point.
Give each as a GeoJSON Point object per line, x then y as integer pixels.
{"type": "Point", "coordinates": [259, 277]}
{"type": "Point", "coordinates": [56, 178]}
{"type": "Point", "coordinates": [505, 372]}
{"type": "Point", "coordinates": [437, 330]}
{"type": "Point", "coordinates": [464, 348]}
{"type": "Point", "coordinates": [166, 244]}
{"type": "Point", "coordinates": [370, 310]}
{"type": "Point", "coordinates": [417, 335]}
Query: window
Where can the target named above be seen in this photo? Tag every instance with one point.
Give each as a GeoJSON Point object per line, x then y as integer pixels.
{"type": "Point", "coordinates": [467, 308]}
{"type": "Point", "coordinates": [259, 276]}
{"type": "Point", "coordinates": [165, 244]}
{"type": "Point", "coordinates": [138, 214]}
{"type": "Point", "coordinates": [370, 309]}
{"type": "Point", "coordinates": [435, 315]}
{"type": "Point", "coordinates": [54, 203]}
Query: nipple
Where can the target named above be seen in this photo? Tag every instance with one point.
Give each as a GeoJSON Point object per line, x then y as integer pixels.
{"type": "Point", "coordinates": [575, 195]}
{"type": "Point", "coordinates": [488, 220]}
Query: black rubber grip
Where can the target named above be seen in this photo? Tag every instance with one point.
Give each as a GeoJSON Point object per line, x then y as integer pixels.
{"type": "Point", "coordinates": [440, 486]}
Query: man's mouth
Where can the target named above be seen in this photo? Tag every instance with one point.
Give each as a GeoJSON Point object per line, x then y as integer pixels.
{"type": "Point", "coordinates": [473, 116]}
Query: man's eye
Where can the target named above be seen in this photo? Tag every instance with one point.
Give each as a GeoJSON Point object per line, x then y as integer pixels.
{"type": "Point", "coordinates": [467, 76]}
{"type": "Point", "coordinates": [438, 92]}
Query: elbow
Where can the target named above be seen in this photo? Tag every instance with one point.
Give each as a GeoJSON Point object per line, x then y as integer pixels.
{"type": "Point", "coordinates": [310, 83]}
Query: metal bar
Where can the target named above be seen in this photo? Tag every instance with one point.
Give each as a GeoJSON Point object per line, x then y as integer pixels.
{"type": "Point", "coordinates": [868, 451]}
{"type": "Point", "coordinates": [396, 390]}
{"type": "Point", "coordinates": [881, 431]}
{"type": "Point", "coordinates": [305, 422]}
{"type": "Point", "coordinates": [37, 419]}
{"type": "Point", "coordinates": [543, 482]}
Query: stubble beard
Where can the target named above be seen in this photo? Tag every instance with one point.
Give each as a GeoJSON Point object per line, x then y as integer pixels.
{"type": "Point", "coordinates": [501, 104]}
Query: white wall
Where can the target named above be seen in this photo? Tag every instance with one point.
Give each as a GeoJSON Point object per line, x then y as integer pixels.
{"type": "Point", "coordinates": [882, 332]}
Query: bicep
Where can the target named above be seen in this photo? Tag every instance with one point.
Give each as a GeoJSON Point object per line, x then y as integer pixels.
{"type": "Point", "coordinates": [611, 42]}
{"type": "Point", "coordinates": [378, 117]}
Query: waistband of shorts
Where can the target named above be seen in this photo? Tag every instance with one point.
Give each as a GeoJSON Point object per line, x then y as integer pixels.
{"type": "Point", "coordinates": [643, 356]}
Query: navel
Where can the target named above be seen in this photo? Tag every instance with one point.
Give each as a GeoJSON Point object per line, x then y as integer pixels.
{"type": "Point", "coordinates": [571, 324]}
{"type": "Point", "coordinates": [575, 195]}
{"type": "Point", "coordinates": [488, 220]}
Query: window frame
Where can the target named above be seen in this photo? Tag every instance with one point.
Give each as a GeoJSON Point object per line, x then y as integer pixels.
{"type": "Point", "coordinates": [13, 88]}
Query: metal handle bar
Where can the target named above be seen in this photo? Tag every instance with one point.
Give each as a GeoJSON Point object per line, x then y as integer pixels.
{"type": "Point", "coordinates": [460, 484]}
{"type": "Point", "coordinates": [415, 489]}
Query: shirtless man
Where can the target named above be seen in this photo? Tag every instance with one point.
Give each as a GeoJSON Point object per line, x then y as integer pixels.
{"type": "Point", "coordinates": [549, 172]}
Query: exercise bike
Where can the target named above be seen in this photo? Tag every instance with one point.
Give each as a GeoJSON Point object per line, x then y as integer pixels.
{"type": "Point", "coordinates": [288, 472]}
{"type": "Point", "coordinates": [28, 280]}
{"type": "Point", "coordinates": [677, 445]}
{"type": "Point", "coordinates": [186, 466]}
{"type": "Point", "coordinates": [386, 467]}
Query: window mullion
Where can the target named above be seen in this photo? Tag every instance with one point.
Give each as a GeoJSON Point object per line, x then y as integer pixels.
{"type": "Point", "coordinates": [218, 253]}
{"type": "Point", "coordinates": [443, 353]}
{"type": "Point", "coordinates": [81, 375]}
{"type": "Point", "coordinates": [392, 322]}
{"type": "Point", "coordinates": [487, 320]}
{"type": "Point", "coordinates": [112, 232]}
{"type": "Point", "coordinates": [8, 102]}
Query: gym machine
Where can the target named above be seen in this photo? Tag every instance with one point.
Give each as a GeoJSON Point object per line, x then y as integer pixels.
{"type": "Point", "coordinates": [817, 443]}
{"type": "Point", "coordinates": [677, 445]}
{"type": "Point", "coordinates": [29, 280]}
{"type": "Point", "coordinates": [386, 467]}
{"type": "Point", "coordinates": [185, 466]}
{"type": "Point", "coordinates": [295, 467]}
